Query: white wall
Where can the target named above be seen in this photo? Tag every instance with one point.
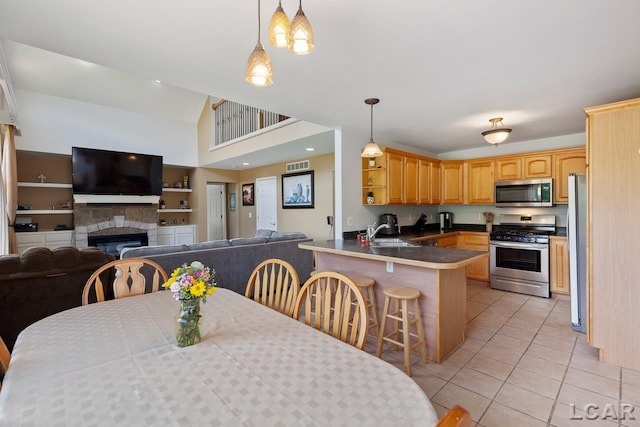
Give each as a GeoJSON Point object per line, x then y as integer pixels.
{"type": "Point", "coordinates": [53, 125]}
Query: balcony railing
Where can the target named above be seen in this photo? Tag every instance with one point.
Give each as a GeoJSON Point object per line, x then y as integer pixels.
{"type": "Point", "coordinates": [233, 121]}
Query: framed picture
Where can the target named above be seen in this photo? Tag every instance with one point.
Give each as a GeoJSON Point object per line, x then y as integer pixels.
{"type": "Point", "coordinates": [247, 195]}
{"type": "Point", "coordinates": [297, 190]}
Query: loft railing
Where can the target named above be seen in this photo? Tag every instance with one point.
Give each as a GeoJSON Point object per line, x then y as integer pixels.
{"type": "Point", "coordinates": [233, 120]}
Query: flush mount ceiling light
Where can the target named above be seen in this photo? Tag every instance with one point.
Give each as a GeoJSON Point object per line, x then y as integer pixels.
{"type": "Point", "coordinates": [371, 149]}
{"type": "Point", "coordinates": [279, 28]}
{"type": "Point", "coordinates": [496, 134]}
{"type": "Point", "coordinates": [259, 72]}
{"type": "Point", "coordinates": [300, 34]}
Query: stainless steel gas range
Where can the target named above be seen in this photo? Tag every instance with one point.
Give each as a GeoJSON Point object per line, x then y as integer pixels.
{"type": "Point", "coordinates": [520, 254]}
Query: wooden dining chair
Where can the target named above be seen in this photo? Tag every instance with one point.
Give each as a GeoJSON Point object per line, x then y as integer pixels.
{"type": "Point", "coordinates": [5, 358]}
{"type": "Point", "coordinates": [274, 283]}
{"type": "Point", "coordinates": [333, 304]}
{"type": "Point", "coordinates": [129, 279]}
{"type": "Point", "coordinates": [457, 416]}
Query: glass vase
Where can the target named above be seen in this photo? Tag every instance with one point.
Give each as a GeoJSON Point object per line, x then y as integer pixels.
{"type": "Point", "coordinates": [188, 322]}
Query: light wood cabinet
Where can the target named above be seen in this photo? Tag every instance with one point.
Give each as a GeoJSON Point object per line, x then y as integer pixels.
{"type": "Point", "coordinates": [395, 176]}
{"type": "Point", "coordinates": [374, 180]}
{"type": "Point", "coordinates": [537, 166]}
{"type": "Point", "coordinates": [559, 265]}
{"type": "Point", "coordinates": [478, 270]}
{"type": "Point", "coordinates": [508, 169]}
{"type": "Point", "coordinates": [448, 241]}
{"type": "Point", "coordinates": [410, 180]}
{"type": "Point", "coordinates": [452, 182]}
{"type": "Point", "coordinates": [436, 182]}
{"type": "Point", "coordinates": [564, 163]}
{"type": "Point", "coordinates": [428, 181]}
{"type": "Point", "coordinates": [479, 182]}
{"type": "Point", "coordinates": [613, 270]}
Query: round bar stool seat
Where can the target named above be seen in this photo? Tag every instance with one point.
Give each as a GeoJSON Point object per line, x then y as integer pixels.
{"type": "Point", "coordinates": [401, 334]}
{"type": "Point", "coordinates": [366, 285]}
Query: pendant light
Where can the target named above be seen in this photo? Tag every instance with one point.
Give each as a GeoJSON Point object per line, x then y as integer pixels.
{"type": "Point", "coordinates": [300, 34]}
{"type": "Point", "coordinates": [371, 149]}
{"type": "Point", "coordinates": [496, 134]}
{"type": "Point", "coordinates": [279, 27]}
{"type": "Point", "coordinates": [259, 72]}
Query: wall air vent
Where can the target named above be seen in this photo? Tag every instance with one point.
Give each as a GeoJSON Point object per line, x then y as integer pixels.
{"type": "Point", "coordinates": [297, 166]}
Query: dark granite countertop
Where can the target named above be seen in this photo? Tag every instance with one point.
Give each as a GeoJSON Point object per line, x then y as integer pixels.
{"type": "Point", "coordinates": [421, 256]}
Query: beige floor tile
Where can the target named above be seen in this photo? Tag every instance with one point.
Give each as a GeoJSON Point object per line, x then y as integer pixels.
{"type": "Point", "coordinates": [479, 333]}
{"type": "Point", "coordinates": [567, 332]}
{"type": "Point", "coordinates": [461, 356]}
{"type": "Point", "coordinates": [580, 397]}
{"type": "Point", "coordinates": [595, 367]}
{"type": "Point", "coordinates": [429, 383]}
{"type": "Point", "coordinates": [525, 324]}
{"type": "Point", "coordinates": [542, 367]}
{"type": "Point", "coordinates": [630, 377]}
{"type": "Point", "coordinates": [515, 344]}
{"type": "Point", "coordinates": [452, 394]}
{"type": "Point", "coordinates": [512, 331]}
{"type": "Point", "coordinates": [630, 417]}
{"type": "Point", "coordinates": [570, 416]}
{"type": "Point", "coordinates": [586, 351]}
{"type": "Point", "coordinates": [440, 410]}
{"type": "Point", "coordinates": [525, 401]}
{"type": "Point", "coordinates": [550, 354]}
{"type": "Point", "coordinates": [489, 366]}
{"type": "Point", "coordinates": [472, 344]}
{"type": "Point", "coordinates": [545, 386]}
{"type": "Point", "coordinates": [477, 382]}
{"type": "Point", "coordinates": [487, 296]}
{"type": "Point", "coordinates": [488, 324]}
{"type": "Point", "coordinates": [500, 353]}
{"type": "Point", "coordinates": [445, 370]}
{"type": "Point", "coordinates": [554, 342]}
{"type": "Point", "coordinates": [499, 415]}
{"type": "Point", "coordinates": [595, 383]}
{"type": "Point", "coordinates": [631, 394]}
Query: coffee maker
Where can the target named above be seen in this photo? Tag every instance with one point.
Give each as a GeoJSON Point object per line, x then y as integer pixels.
{"type": "Point", "coordinates": [446, 221]}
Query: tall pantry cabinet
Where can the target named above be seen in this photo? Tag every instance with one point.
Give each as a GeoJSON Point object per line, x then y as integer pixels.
{"type": "Point", "coordinates": [613, 231]}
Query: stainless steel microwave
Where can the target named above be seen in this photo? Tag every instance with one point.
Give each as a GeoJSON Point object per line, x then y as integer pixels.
{"type": "Point", "coordinates": [529, 192]}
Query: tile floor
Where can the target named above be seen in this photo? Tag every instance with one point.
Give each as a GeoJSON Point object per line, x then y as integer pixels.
{"type": "Point", "coordinates": [522, 365]}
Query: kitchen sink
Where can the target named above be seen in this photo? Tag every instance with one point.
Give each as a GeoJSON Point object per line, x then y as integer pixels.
{"type": "Point", "coordinates": [391, 243]}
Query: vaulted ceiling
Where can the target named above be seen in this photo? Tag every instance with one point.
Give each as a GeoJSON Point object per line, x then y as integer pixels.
{"type": "Point", "coordinates": [441, 69]}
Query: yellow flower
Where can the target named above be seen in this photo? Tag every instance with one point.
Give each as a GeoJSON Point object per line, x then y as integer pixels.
{"type": "Point", "coordinates": [211, 290]}
{"type": "Point", "coordinates": [197, 289]}
{"type": "Point", "coordinates": [169, 282]}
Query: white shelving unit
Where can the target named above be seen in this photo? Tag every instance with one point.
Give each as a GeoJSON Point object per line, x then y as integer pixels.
{"type": "Point", "coordinates": [43, 185]}
{"type": "Point", "coordinates": [44, 211]}
{"type": "Point", "coordinates": [174, 210]}
{"type": "Point", "coordinates": [176, 190]}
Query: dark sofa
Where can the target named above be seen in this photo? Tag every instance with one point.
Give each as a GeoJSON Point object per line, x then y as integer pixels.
{"type": "Point", "coordinates": [233, 260]}
{"type": "Point", "coordinates": [41, 282]}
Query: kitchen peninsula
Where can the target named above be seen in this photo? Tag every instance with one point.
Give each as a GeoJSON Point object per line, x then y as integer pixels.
{"type": "Point", "coordinates": [439, 274]}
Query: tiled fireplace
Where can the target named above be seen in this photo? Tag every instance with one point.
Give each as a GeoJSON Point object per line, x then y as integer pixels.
{"type": "Point", "coordinates": [93, 220]}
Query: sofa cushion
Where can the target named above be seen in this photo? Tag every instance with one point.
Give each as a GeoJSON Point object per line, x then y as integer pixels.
{"type": "Point", "coordinates": [143, 251]}
{"type": "Point", "coordinates": [242, 241]}
{"type": "Point", "coordinates": [290, 235]}
{"type": "Point", "coordinates": [209, 245]}
{"type": "Point", "coordinates": [264, 233]}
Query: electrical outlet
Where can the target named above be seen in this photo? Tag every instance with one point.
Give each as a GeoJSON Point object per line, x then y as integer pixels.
{"type": "Point", "coordinates": [350, 221]}
{"type": "Point", "coordinates": [479, 216]}
{"type": "Point", "coordinates": [389, 267]}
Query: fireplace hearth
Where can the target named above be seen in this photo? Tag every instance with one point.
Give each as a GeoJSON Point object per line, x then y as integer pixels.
{"type": "Point", "coordinates": [115, 243]}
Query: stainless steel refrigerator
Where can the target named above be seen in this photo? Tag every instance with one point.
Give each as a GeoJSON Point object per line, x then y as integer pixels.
{"type": "Point", "coordinates": [577, 239]}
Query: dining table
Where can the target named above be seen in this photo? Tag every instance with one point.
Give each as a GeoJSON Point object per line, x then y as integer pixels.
{"type": "Point", "coordinates": [116, 363]}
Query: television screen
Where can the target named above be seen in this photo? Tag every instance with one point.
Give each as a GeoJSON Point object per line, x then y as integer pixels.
{"type": "Point", "coordinates": [117, 173]}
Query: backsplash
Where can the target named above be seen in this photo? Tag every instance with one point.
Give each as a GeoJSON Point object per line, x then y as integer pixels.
{"type": "Point", "coordinates": [472, 214]}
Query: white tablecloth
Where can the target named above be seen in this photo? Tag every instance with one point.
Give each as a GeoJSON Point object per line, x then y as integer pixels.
{"type": "Point", "coordinates": [116, 363]}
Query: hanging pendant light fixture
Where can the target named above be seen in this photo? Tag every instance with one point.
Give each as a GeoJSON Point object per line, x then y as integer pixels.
{"type": "Point", "coordinates": [496, 135]}
{"type": "Point", "coordinates": [371, 149]}
{"type": "Point", "coordinates": [279, 27]}
{"type": "Point", "coordinates": [259, 72]}
{"type": "Point", "coordinates": [300, 34]}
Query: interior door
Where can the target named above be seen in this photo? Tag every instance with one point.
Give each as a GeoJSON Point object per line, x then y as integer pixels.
{"type": "Point", "coordinates": [216, 212]}
{"type": "Point", "coordinates": [266, 203]}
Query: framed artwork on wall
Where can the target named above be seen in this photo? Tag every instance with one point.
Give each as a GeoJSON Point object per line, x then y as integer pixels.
{"type": "Point", "coordinates": [247, 194]}
{"type": "Point", "coordinates": [297, 190]}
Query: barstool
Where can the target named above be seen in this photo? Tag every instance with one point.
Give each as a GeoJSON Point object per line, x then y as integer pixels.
{"type": "Point", "coordinates": [402, 295]}
{"type": "Point", "coordinates": [366, 286]}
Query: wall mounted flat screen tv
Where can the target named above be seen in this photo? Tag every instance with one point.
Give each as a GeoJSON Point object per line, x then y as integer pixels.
{"type": "Point", "coordinates": [115, 173]}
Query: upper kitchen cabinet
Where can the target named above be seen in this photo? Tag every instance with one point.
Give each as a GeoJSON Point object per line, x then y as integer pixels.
{"type": "Point", "coordinates": [411, 187]}
{"type": "Point", "coordinates": [613, 270]}
{"type": "Point", "coordinates": [452, 182]}
{"type": "Point", "coordinates": [374, 180]}
{"type": "Point", "coordinates": [395, 177]}
{"type": "Point", "coordinates": [428, 181]}
{"type": "Point", "coordinates": [566, 162]}
{"type": "Point", "coordinates": [479, 182]}
{"type": "Point", "coordinates": [537, 166]}
{"type": "Point", "coordinates": [508, 168]}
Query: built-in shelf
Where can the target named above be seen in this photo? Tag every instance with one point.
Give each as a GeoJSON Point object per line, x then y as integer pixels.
{"type": "Point", "coordinates": [176, 190]}
{"type": "Point", "coordinates": [174, 210]}
{"type": "Point", "coordinates": [44, 211]}
{"type": "Point", "coordinates": [44, 185]}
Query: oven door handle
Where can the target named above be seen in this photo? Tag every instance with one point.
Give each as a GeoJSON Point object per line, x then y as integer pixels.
{"type": "Point", "coordinates": [517, 245]}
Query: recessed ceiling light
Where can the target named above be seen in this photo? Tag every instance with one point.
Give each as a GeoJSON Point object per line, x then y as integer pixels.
{"type": "Point", "coordinates": [310, 149]}
{"type": "Point", "coordinates": [158, 81]}
{"type": "Point", "coordinates": [245, 164]}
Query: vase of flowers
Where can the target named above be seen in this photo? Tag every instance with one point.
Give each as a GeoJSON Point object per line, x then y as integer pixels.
{"type": "Point", "coordinates": [190, 285]}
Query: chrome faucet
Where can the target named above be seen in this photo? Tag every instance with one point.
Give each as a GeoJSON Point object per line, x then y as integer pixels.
{"type": "Point", "coordinates": [371, 231]}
